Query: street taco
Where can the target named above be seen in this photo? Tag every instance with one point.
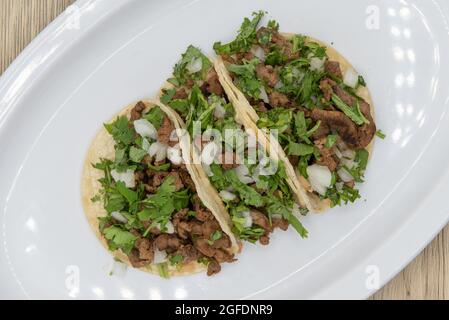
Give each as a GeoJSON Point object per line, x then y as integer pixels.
{"type": "Point", "coordinates": [228, 155]}
{"type": "Point", "coordinates": [144, 201]}
{"type": "Point", "coordinates": [315, 100]}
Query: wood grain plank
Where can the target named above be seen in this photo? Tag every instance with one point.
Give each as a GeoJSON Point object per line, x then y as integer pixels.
{"type": "Point", "coordinates": [425, 278]}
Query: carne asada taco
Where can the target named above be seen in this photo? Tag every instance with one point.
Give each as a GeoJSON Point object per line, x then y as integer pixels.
{"type": "Point", "coordinates": [312, 96]}
{"type": "Point", "coordinates": [146, 203]}
{"type": "Point", "coordinates": [228, 156]}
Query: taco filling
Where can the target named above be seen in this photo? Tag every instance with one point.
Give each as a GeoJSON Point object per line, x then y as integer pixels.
{"type": "Point", "coordinates": [324, 126]}
{"type": "Point", "coordinates": [153, 213]}
{"type": "Point", "coordinates": [251, 185]}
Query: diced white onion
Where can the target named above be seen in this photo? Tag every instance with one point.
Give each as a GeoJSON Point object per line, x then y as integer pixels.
{"type": "Point", "coordinates": [263, 95]}
{"type": "Point", "coordinates": [243, 174]}
{"type": "Point", "coordinates": [159, 256]}
{"type": "Point", "coordinates": [170, 227]}
{"type": "Point", "coordinates": [126, 177]}
{"type": "Point", "coordinates": [248, 219]}
{"type": "Point", "coordinates": [258, 52]}
{"type": "Point", "coordinates": [348, 153]}
{"type": "Point", "coordinates": [344, 175]}
{"type": "Point", "coordinates": [119, 217]}
{"type": "Point", "coordinates": [159, 150]}
{"type": "Point", "coordinates": [145, 129]}
{"type": "Point", "coordinates": [339, 186]}
{"type": "Point", "coordinates": [174, 155]}
{"type": "Point", "coordinates": [207, 169]}
{"type": "Point", "coordinates": [146, 145]}
{"type": "Point", "coordinates": [227, 196]}
{"type": "Point", "coordinates": [195, 65]}
{"type": "Point", "coordinates": [350, 78]}
{"type": "Point", "coordinates": [337, 152]}
{"type": "Point", "coordinates": [320, 178]}
{"type": "Point", "coordinates": [279, 84]}
{"type": "Point", "coordinates": [219, 111]}
{"type": "Point", "coordinates": [348, 163]}
{"type": "Point", "coordinates": [316, 64]}
{"type": "Point", "coordinates": [209, 153]}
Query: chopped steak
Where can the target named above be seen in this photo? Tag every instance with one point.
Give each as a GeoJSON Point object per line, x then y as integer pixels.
{"type": "Point", "coordinates": [189, 252]}
{"type": "Point", "coordinates": [165, 131]}
{"type": "Point", "coordinates": [264, 240]}
{"type": "Point", "coordinates": [366, 131]}
{"type": "Point", "coordinates": [280, 223]}
{"type": "Point", "coordinates": [180, 94]}
{"type": "Point", "coordinates": [267, 74]}
{"type": "Point", "coordinates": [213, 84]}
{"type": "Point", "coordinates": [261, 220]}
{"type": "Point", "coordinates": [278, 99]}
{"type": "Point", "coordinates": [136, 262]}
{"type": "Point", "coordinates": [322, 131]}
{"type": "Point", "coordinates": [204, 215]}
{"type": "Point", "coordinates": [326, 87]}
{"type": "Point", "coordinates": [333, 67]}
{"type": "Point", "coordinates": [136, 112]}
{"type": "Point", "coordinates": [177, 180]}
{"type": "Point", "coordinates": [167, 241]}
{"type": "Point", "coordinates": [213, 267]}
{"type": "Point", "coordinates": [261, 107]}
{"type": "Point", "coordinates": [187, 179]}
{"type": "Point", "coordinates": [210, 227]}
{"type": "Point", "coordinates": [337, 120]}
{"type": "Point", "coordinates": [223, 243]}
{"type": "Point", "coordinates": [327, 157]}
{"type": "Point", "coordinates": [294, 160]}
{"type": "Point", "coordinates": [145, 248]}
{"type": "Point", "coordinates": [279, 40]}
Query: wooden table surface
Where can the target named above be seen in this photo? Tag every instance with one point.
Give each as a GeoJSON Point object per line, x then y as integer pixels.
{"type": "Point", "coordinates": [427, 277]}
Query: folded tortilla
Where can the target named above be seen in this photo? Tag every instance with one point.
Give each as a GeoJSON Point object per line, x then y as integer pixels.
{"type": "Point", "coordinates": [248, 115]}
{"type": "Point", "coordinates": [103, 147]}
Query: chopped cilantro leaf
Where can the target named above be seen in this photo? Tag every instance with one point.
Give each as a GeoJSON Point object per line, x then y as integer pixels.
{"type": "Point", "coordinates": [245, 38]}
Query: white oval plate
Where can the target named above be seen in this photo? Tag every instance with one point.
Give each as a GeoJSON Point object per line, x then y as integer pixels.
{"type": "Point", "coordinates": [101, 55]}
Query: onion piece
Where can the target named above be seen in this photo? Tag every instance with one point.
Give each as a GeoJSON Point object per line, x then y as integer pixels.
{"type": "Point", "coordinates": [279, 84]}
{"type": "Point", "coordinates": [348, 153]}
{"type": "Point", "coordinates": [350, 78]}
{"type": "Point", "coordinates": [170, 229]}
{"type": "Point", "coordinates": [337, 152]}
{"type": "Point", "coordinates": [263, 95]}
{"type": "Point", "coordinates": [258, 52]}
{"type": "Point", "coordinates": [195, 65]}
{"type": "Point", "coordinates": [207, 169]}
{"type": "Point", "coordinates": [159, 256]}
{"type": "Point", "coordinates": [174, 155]}
{"type": "Point", "coordinates": [316, 64]}
{"type": "Point", "coordinates": [344, 175]}
{"type": "Point", "coordinates": [350, 164]}
{"type": "Point", "coordinates": [339, 186]}
{"type": "Point", "coordinates": [159, 150]}
{"type": "Point", "coordinates": [145, 129]}
{"type": "Point", "coordinates": [126, 177]}
{"type": "Point", "coordinates": [243, 174]}
{"type": "Point", "coordinates": [146, 145]}
{"type": "Point", "coordinates": [209, 153]}
{"type": "Point", "coordinates": [248, 219]}
{"type": "Point", "coordinates": [219, 111]}
{"type": "Point", "coordinates": [119, 217]}
{"type": "Point", "coordinates": [227, 196]}
{"type": "Point", "coordinates": [320, 178]}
